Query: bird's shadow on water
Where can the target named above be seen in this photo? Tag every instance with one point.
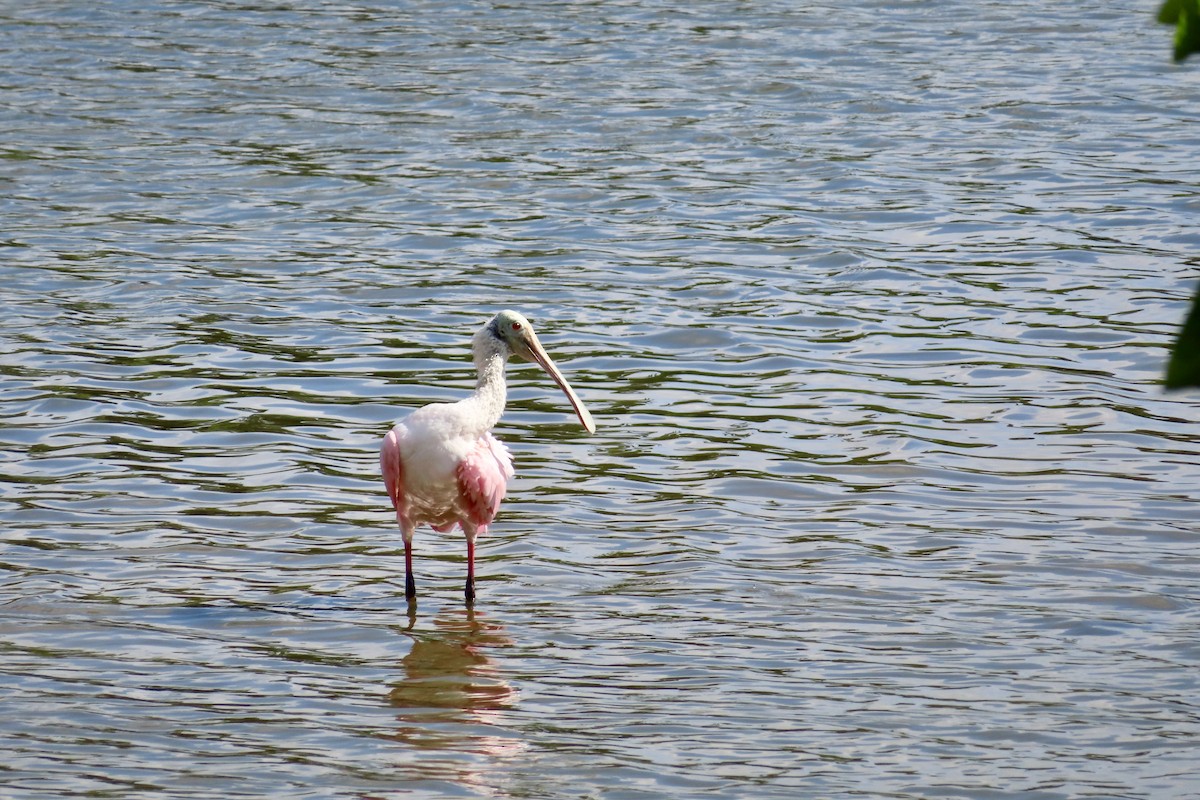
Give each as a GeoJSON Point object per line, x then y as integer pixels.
{"type": "Point", "coordinates": [452, 696]}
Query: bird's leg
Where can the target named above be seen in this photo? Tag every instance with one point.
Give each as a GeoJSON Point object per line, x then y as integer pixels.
{"type": "Point", "coordinates": [470, 590]}
{"type": "Point", "coordinates": [410, 586]}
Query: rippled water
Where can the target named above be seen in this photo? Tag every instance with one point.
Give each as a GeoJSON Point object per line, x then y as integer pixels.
{"type": "Point", "coordinates": [870, 301]}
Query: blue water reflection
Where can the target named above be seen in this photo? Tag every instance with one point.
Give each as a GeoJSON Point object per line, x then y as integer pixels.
{"type": "Point", "coordinates": [870, 303]}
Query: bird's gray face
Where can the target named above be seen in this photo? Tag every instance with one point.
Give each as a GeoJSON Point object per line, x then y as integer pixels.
{"type": "Point", "coordinates": [516, 332]}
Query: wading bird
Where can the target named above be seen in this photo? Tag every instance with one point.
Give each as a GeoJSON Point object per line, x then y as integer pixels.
{"type": "Point", "coordinates": [441, 464]}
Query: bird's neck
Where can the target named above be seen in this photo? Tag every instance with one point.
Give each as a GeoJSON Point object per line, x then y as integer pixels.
{"type": "Point", "coordinates": [490, 392]}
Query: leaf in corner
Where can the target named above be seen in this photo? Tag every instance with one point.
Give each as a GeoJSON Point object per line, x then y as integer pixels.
{"type": "Point", "coordinates": [1185, 16]}
{"type": "Point", "coordinates": [1183, 368]}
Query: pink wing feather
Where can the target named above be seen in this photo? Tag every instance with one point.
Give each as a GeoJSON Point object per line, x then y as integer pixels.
{"type": "Point", "coordinates": [393, 470]}
{"type": "Point", "coordinates": [482, 480]}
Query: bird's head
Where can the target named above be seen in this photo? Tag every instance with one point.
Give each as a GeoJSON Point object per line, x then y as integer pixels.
{"type": "Point", "coordinates": [516, 334]}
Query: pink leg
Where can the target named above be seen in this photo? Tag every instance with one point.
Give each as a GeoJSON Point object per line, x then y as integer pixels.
{"type": "Point", "coordinates": [470, 592]}
{"type": "Point", "coordinates": [410, 586]}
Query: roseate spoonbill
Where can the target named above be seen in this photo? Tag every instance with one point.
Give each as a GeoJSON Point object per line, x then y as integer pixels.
{"type": "Point", "coordinates": [441, 464]}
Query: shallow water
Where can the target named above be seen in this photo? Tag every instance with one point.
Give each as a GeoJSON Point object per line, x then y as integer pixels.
{"type": "Point", "coordinates": [870, 304]}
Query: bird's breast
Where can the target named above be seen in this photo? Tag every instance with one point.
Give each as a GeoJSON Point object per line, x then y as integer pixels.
{"type": "Point", "coordinates": [433, 444]}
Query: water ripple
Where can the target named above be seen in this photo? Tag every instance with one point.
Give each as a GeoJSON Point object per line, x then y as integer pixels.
{"type": "Point", "coordinates": [885, 498]}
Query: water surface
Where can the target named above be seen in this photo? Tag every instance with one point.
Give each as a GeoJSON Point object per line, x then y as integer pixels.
{"type": "Point", "coordinates": [871, 304]}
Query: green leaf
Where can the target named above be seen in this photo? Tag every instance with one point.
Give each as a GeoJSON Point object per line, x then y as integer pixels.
{"type": "Point", "coordinates": [1169, 13]}
{"type": "Point", "coordinates": [1183, 368]}
{"type": "Point", "coordinates": [1185, 16]}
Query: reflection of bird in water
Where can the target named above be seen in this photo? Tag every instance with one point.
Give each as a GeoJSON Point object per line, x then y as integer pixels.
{"type": "Point", "coordinates": [451, 687]}
{"type": "Point", "coordinates": [442, 466]}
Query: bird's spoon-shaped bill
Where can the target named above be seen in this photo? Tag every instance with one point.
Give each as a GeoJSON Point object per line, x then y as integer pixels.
{"type": "Point", "coordinates": [538, 355]}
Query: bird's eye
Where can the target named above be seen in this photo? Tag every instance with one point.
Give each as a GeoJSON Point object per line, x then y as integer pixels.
{"type": "Point", "coordinates": [516, 326]}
